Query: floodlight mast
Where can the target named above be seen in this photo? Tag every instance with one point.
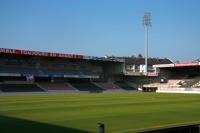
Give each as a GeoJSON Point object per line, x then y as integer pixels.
{"type": "Point", "coordinates": [146, 24]}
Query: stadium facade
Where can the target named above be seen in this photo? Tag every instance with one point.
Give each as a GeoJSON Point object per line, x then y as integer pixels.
{"type": "Point", "coordinates": [27, 71]}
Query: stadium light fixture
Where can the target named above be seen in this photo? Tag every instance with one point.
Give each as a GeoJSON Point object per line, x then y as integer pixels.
{"type": "Point", "coordinates": [146, 24]}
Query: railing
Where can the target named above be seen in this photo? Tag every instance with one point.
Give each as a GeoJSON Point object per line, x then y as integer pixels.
{"type": "Point", "coordinates": [131, 73]}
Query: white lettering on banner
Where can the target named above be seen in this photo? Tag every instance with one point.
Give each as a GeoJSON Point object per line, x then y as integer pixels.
{"type": "Point", "coordinates": [38, 53]}
{"type": "Point", "coordinates": [11, 51]}
{"type": "Point", "coordinates": [53, 54]}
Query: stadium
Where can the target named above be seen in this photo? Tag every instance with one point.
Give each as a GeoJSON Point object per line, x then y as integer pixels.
{"type": "Point", "coordinates": [56, 92]}
{"type": "Point", "coordinates": [86, 66]}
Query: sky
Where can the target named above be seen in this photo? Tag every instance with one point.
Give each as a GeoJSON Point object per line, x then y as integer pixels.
{"type": "Point", "coordinates": [102, 27]}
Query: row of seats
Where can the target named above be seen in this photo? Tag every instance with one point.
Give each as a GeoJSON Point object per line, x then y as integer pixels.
{"type": "Point", "coordinates": [20, 88]}
{"type": "Point", "coordinates": [86, 86]}
{"type": "Point", "coordinates": [125, 86]}
{"type": "Point", "coordinates": [55, 86]}
{"type": "Point", "coordinates": [184, 82]}
{"type": "Point", "coordinates": [47, 64]}
{"type": "Point", "coordinates": [189, 83]}
{"type": "Point", "coordinates": [107, 85]}
{"type": "Point", "coordinates": [72, 85]}
{"type": "Point", "coordinates": [7, 69]}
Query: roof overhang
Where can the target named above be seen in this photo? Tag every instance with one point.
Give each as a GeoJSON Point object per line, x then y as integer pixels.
{"type": "Point", "coordinates": [163, 65]}
{"type": "Point", "coordinates": [182, 64]}
{"type": "Point", "coordinates": [57, 55]}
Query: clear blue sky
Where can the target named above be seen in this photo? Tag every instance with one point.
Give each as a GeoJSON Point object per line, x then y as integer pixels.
{"type": "Point", "coordinates": [102, 27]}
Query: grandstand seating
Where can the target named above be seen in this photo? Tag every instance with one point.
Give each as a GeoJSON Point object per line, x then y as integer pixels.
{"type": "Point", "coordinates": [20, 88]}
{"type": "Point", "coordinates": [197, 85]}
{"type": "Point", "coordinates": [132, 84]}
{"type": "Point", "coordinates": [18, 69]}
{"type": "Point", "coordinates": [85, 86]}
{"type": "Point", "coordinates": [190, 83]}
{"type": "Point", "coordinates": [45, 65]}
{"type": "Point", "coordinates": [172, 83]}
{"type": "Point", "coordinates": [124, 85]}
{"type": "Point", "coordinates": [33, 70]}
{"type": "Point", "coordinates": [45, 70]}
{"type": "Point", "coordinates": [107, 85]}
{"type": "Point", "coordinates": [55, 86]}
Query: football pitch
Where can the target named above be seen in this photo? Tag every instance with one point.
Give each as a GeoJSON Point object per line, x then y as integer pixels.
{"type": "Point", "coordinates": [80, 113]}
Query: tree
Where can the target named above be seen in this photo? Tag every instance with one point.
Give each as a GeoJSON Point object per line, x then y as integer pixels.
{"type": "Point", "coordinates": [133, 56]}
{"type": "Point", "coordinates": [177, 61]}
{"type": "Point", "coordinates": [140, 56]}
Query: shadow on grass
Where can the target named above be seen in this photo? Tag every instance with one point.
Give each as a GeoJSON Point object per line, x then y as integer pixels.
{"type": "Point", "coordinates": [15, 125]}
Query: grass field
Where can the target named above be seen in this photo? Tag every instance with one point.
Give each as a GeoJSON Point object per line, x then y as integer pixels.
{"type": "Point", "coordinates": [74, 113]}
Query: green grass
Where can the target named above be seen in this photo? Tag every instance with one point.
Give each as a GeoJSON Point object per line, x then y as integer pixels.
{"type": "Point", "coordinates": [121, 112]}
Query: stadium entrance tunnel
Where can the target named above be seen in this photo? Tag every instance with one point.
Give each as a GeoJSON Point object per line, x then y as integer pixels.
{"type": "Point", "coordinates": [178, 129]}
{"type": "Point", "coordinates": [149, 89]}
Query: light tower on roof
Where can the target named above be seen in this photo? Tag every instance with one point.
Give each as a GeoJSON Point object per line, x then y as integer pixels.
{"type": "Point", "coordinates": [146, 24]}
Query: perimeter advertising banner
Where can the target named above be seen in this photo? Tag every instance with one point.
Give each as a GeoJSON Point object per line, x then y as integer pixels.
{"type": "Point", "coordinates": [60, 55]}
{"type": "Point", "coordinates": [38, 53]}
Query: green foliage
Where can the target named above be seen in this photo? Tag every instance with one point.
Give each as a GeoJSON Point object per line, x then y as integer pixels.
{"type": "Point", "coordinates": [80, 113]}
{"type": "Point", "coordinates": [140, 56]}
